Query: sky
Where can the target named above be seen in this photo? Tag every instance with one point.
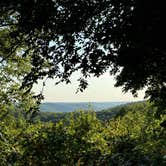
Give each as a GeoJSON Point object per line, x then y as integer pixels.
{"type": "Point", "coordinates": [99, 90]}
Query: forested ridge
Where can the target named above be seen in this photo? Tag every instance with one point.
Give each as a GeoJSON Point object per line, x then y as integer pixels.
{"type": "Point", "coordinates": [128, 136]}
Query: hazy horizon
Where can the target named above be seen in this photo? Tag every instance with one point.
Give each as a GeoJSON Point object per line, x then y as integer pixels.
{"type": "Point", "coordinates": [74, 106]}
{"type": "Point", "coordinates": [99, 90]}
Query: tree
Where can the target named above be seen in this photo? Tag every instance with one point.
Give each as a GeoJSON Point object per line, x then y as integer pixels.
{"type": "Point", "coordinates": [15, 103]}
{"type": "Point", "coordinates": [13, 69]}
{"type": "Point", "coordinates": [124, 37]}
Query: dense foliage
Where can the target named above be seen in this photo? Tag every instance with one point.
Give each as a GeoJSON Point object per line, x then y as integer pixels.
{"type": "Point", "coordinates": [93, 36]}
{"type": "Point", "coordinates": [131, 137]}
{"type": "Point", "coordinates": [13, 68]}
{"type": "Point", "coordinates": [42, 39]}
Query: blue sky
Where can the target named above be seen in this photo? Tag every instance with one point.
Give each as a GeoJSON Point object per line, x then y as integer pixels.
{"type": "Point", "coordinates": [100, 89]}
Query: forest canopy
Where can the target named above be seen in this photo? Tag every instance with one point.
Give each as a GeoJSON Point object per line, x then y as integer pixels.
{"type": "Point", "coordinates": [93, 36]}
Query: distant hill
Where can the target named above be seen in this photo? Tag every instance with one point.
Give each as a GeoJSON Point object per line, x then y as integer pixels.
{"type": "Point", "coordinates": [115, 109]}
{"type": "Point", "coordinates": [121, 110]}
{"type": "Point", "coordinates": [70, 107]}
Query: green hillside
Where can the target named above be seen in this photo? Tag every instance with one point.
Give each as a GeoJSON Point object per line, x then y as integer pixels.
{"type": "Point", "coordinates": [124, 135]}
{"type": "Point", "coordinates": [103, 115]}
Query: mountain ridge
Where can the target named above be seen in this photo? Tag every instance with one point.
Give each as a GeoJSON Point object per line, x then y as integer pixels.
{"type": "Point", "coordinates": [73, 106]}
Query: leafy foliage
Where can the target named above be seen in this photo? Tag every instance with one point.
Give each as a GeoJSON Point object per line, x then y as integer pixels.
{"type": "Point", "coordinates": [132, 137]}
{"type": "Point", "coordinates": [12, 71]}
{"type": "Point", "coordinates": [124, 37]}
{"type": "Point", "coordinates": [52, 39]}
